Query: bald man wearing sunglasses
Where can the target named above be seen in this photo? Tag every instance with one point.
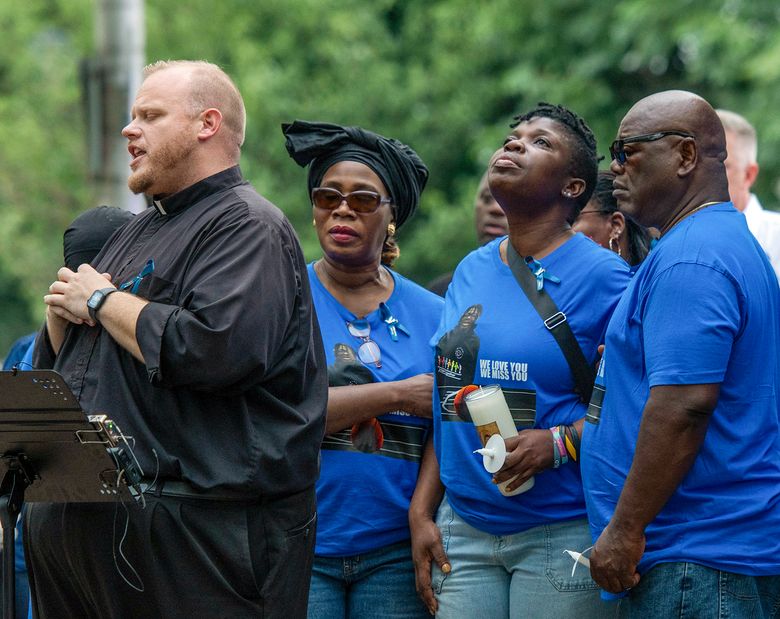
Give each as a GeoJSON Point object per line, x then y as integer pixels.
{"type": "Point", "coordinates": [679, 464]}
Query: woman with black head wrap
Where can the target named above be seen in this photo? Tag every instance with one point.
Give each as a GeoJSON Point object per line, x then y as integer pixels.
{"type": "Point", "coordinates": [376, 326]}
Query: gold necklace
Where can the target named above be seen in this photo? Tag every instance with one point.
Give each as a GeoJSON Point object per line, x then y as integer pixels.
{"type": "Point", "coordinates": [682, 216]}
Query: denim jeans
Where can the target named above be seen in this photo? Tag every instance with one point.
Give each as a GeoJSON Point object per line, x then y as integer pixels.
{"type": "Point", "coordinates": [521, 575]}
{"type": "Point", "coordinates": [692, 591]}
{"type": "Point", "coordinates": [374, 585]}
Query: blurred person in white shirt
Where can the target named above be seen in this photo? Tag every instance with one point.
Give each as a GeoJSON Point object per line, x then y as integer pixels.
{"type": "Point", "coordinates": [742, 171]}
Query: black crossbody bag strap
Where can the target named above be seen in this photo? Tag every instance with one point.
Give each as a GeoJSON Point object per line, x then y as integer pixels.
{"type": "Point", "coordinates": [556, 323]}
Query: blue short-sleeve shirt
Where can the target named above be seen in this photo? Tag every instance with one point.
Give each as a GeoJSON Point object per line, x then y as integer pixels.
{"type": "Point", "coordinates": [369, 473]}
{"type": "Point", "coordinates": [490, 333]}
{"type": "Point", "coordinates": [703, 308]}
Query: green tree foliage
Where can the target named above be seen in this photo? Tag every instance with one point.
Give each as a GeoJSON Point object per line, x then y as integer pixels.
{"type": "Point", "coordinates": [42, 171]}
{"type": "Point", "coordinates": [445, 76]}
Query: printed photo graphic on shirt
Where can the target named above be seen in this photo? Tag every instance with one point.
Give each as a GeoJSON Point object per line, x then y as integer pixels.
{"type": "Point", "coordinates": [456, 358]}
{"type": "Point", "coordinates": [399, 440]}
{"type": "Point", "coordinates": [457, 350]}
{"type": "Point", "coordinates": [521, 403]}
{"type": "Point", "coordinates": [593, 414]}
{"type": "Point", "coordinates": [458, 365]}
{"type": "Point", "coordinates": [347, 369]}
{"type": "Point", "coordinates": [373, 436]}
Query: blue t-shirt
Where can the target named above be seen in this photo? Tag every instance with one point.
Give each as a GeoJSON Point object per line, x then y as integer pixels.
{"type": "Point", "coordinates": [16, 354]}
{"type": "Point", "coordinates": [369, 471]}
{"type": "Point", "coordinates": [703, 308]}
{"type": "Point", "coordinates": [26, 362]}
{"type": "Point", "coordinates": [490, 333]}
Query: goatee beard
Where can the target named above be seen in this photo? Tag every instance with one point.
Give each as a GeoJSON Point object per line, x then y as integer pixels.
{"type": "Point", "coordinates": [159, 173]}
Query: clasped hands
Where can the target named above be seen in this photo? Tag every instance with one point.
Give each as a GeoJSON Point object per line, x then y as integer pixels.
{"type": "Point", "coordinates": [67, 298]}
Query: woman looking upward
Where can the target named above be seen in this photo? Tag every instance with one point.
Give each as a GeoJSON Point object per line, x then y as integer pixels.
{"type": "Point", "coordinates": [506, 553]}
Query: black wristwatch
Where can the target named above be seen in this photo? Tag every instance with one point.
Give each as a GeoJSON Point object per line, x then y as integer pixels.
{"type": "Point", "coordinates": [97, 299]}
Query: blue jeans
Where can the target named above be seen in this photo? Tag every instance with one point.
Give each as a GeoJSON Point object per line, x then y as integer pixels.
{"type": "Point", "coordinates": [521, 575]}
{"type": "Point", "coordinates": [377, 584]}
{"type": "Point", "coordinates": [692, 591]}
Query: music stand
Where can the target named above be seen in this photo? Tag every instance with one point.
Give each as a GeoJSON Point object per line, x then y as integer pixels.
{"type": "Point", "coordinates": [51, 452]}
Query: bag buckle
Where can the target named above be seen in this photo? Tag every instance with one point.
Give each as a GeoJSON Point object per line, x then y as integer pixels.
{"type": "Point", "coordinates": [556, 319]}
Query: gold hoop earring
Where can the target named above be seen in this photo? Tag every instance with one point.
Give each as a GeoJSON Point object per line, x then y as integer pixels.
{"type": "Point", "coordinates": [616, 249]}
{"type": "Point", "coordinates": [390, 229]}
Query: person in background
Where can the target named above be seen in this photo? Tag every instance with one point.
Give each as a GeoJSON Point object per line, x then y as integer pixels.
{"type": "Point", "coordinates": [489, 222]}
{"type": "Point", "coordinates": [680, 457]}
{"type": "Point", "coordinates": [602, 221]}
{"type": "Point", "coordinates": [195, 332]}
{"type": "Point", "coordinates": [81, 242]}
{"type": "Point", "coordinates": [375, 325]}
{"type": "Point", "coordinates": [17, 350]}
{"type": "Point", "coordinates": [16, 359]}
{"type": "Point", "coordinates": [489, 217]}
{"type": "Point", "coordinates": [478, 552]}
{"type": "Point", "coordinates": [742, 171]}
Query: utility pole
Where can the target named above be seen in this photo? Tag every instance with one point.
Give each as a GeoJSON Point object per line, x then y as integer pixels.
{"type": "Point", "coordinates": [111, 79]}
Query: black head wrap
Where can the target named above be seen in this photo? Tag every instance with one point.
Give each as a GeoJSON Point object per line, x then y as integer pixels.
{"type": "Point", "coordinates": [86, 235]}
{"type": "Point", "coordinates": [323, 144]}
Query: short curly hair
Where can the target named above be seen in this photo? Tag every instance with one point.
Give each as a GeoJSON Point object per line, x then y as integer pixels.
{"type": "Point", "coordinates": [584, 157]}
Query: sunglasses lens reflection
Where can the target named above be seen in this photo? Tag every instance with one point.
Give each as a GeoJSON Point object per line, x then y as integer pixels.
{"type": "Point", "coordinates": [617, 152]}
{"type": "Point", "coordinates": [358, 201]}
{"type": "Point", "coordinates": [369, 352]}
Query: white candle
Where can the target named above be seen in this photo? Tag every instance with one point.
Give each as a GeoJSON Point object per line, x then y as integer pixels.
{"type": "Point", "coordinates": [490, 414]}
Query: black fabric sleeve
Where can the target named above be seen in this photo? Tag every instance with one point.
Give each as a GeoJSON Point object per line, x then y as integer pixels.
{"type": "Point", "coordinates": [43, 353]}
{"type": "Point", "coordinates": [235, 307]}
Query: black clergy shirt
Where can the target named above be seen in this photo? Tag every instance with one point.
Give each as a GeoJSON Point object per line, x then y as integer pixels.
{"type": "Point", "coordinates": [234, 387]}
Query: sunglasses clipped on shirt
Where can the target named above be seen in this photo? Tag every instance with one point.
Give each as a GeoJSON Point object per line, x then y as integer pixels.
{"type": "Point", "coordinates": [368, 352]}
{"type": "Point", "coordinates": [617, 148]}
{"type": "Point", "coordinates": [359, 201]}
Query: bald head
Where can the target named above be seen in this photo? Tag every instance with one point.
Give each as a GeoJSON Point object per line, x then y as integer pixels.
{"type": "Point", "coordinates": [210, 87]}
{"type": "Point", "coordinates": [675, 147]}
{"type": "Point", "coordinates": [679, 110]}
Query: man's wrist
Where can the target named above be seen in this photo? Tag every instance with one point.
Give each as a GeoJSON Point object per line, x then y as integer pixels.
{"type": "Point", "coordinates": [627, 525]}
{"type": "Point", "coordinates": [97, 299]}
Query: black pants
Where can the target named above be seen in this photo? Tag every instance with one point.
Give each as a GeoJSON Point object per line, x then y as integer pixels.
{"type": "Point", "coordinates": [193, 558]}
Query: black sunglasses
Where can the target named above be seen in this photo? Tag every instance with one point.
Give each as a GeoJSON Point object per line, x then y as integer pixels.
{"type": "Point", "coordinates": [359, 201]}
{"type": "Point", "coordinates": [618, 153]}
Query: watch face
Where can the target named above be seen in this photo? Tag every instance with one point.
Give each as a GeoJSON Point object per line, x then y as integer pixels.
{"type": "Point", "coordinates": [94, 299]}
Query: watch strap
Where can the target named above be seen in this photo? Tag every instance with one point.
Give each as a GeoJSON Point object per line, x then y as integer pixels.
{"type": "Point", "coordinates": [104, 294]}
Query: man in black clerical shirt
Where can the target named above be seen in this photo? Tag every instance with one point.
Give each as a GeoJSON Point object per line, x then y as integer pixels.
{"type": "Point", "coordinates": [195, 332]}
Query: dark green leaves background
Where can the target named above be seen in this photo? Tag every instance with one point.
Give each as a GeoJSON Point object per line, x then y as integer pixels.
{"type": "Point", "coordinates": [444, 76]}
